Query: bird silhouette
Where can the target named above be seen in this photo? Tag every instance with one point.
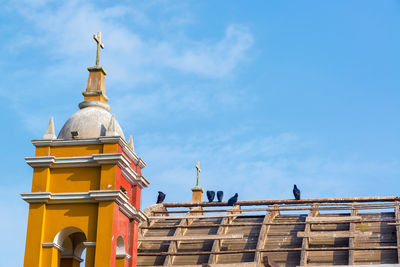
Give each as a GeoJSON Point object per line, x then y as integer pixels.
{"type": "Point", "coordinates": [296, 192]}
{"type": "Point", "coordinates": [233, 200]}
{"type": "Point", "coordinates": [220, 195]}
{"type": "Point", "coordinates": [210, 196]}
{"type": "Point", "coordinates": [161, 197]}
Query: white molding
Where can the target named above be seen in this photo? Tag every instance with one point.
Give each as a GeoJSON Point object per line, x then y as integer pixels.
{"type": "Point", "coordinates": [75, 197]}
{"type": "Point", "coordinates": [95, 196]}
{"type": "Point", "coordinates": [93, 141]}
{"type": "Point", "coordinates": [81, 161]}
{"type": "Point", "coordinates": [89, 244]}
{"type": "Point", "coordinates": [52, 245]}
{"type": "Point", "coordinates": [119, 159]}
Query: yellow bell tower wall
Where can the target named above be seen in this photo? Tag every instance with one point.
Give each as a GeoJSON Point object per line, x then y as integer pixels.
{"type": "Point", "coordinates": [75, 202]}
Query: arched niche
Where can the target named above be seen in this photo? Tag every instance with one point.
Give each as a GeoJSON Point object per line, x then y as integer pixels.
{"type": "Point", "coordinates": [121, 252]}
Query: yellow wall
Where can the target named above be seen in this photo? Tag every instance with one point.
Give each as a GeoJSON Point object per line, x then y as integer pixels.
{"type": "Point", "coordinates": [94, 219]}
{"type": "Point", "coordinates": [60, 216]}
{"type": "Point", "coordinates": [75, 151]}
{"type": "Point", "coordinates": [74, 179]}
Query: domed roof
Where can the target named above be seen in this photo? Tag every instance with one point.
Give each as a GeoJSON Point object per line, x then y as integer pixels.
{"type": "Point", "coordinates": [91, 122]}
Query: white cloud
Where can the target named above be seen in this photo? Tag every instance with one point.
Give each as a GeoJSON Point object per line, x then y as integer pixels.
{"type": "Point", "coordinates": [259, 167]}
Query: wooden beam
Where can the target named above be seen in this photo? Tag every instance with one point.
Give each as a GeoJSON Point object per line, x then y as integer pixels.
{"type": "Point", "coordinates": [306, 240]}
{"type": "Point", "coordinates": [352, 232]}
{"type": "Point", "coordinates": [333, 234]}
{"type": "Point", "coordinates": [397, 215]}
{"type": "Point", "coordinates": [272, 223]}
{"type": "Point", "coordinates": [173, 245]}
{"type": "Point", "coordinates": [190, 238]}
{"type": "Point", "coordinates": [289, 207]}
{"type": "Point", "coordinates": [286, 201]}
{"type": "Point", "coordinates": [269, 217]}
{"type": "Point", "coordinates": [341, 219]}
{"type": "Point", "coordinates": [216, 247]}
{"type": "Point", "coordinates": [265, 250]}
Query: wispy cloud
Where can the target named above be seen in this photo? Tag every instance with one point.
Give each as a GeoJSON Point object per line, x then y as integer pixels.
{"type": "Point", "coordinates": [154, 66]}
{"type": "Point", "coordinates": [263, 167]}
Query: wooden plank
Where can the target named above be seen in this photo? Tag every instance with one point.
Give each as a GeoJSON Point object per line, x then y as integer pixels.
{"type": "Point", "coordinates": [269, 217]}
{"type": "Point", "coordinates": [306, 240]}
{"type": "Point", "coordinates": [352, 232]}
{"type": "Point", "coordinates": [341, 219]}
{"type": "Point", "coordinates": [216, 247]}
{"type": "Point", "coordinates": [333, 234]}
{"type": "Point", "coordinates": [190, 238]}
{"type": "Point", "coordinates": [173, 245]}
{"type": "Point", "coordinates": [272, 223]}
{"type": "Point", "coordinates": [266, 250]}
{"type": "Point", "coordinates": [397, 215]}
{"type": "Point", "coordinates": [286, 201]}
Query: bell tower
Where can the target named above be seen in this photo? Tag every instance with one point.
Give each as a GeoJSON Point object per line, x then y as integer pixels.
{"type": "Point", "coordinates": [86, 188]}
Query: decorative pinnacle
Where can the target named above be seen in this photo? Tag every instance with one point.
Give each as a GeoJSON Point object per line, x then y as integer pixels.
{"type": "Point", "coordinates": [50, 133]}
{"type": "Point", "coordinates": [198, 172]}
{"type": "Point", "coordinates": [97, 38]}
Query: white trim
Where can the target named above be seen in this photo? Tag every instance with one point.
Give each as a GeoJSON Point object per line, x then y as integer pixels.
{"type": "Point", "coordinates": [94, 196]}
{"type": "Point", "coordinates": [89, 244]}
{"type": "Point", "coordinates": [93, 141]}
{"type": "Point", "coordinates": [82, 161]}
{"type": "Point", "coordinates": [52, 245]}
{"type": "Point", "coordinates": [78, 197]}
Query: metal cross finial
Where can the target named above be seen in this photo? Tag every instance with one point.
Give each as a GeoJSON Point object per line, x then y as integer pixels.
{"type": "Point", "coordinates": [198, 172]}
{"type": "Point", "coordinates": [97, 38]}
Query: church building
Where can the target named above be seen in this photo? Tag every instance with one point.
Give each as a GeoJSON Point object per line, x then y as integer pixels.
{"type": "Point", "coordinates": [84, 208]}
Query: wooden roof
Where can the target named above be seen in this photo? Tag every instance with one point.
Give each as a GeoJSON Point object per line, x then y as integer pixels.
{"type": "Point", "coordinates": [334, 231]}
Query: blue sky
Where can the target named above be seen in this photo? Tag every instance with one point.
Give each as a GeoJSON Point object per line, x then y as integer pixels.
{"type": "Point", "coordinates": [264, 93]}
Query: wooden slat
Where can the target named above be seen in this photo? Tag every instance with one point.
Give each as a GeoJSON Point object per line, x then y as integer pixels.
{"type": "Point", "coordinates": [190, 238]}
{"type": "Point", "coordinates": [221, 231]}
{"type": "Point", "coordinates": [397, 215]}
{"type": "Point", "coordinates": [269, 217]}
{"type": "Point", "coordinates": [341, 219]}
{"type": "Point", "coordinates": [272, 223]}
{"type": "Point", "coordinates": [173, 245]}
{"type": "Point", "coordinates": [266, 250]}
{"type": "Point", "coordinates": [352, 231]}
{"type": "Point", "coordinates": [333, 234]}
{"type": "Point", "coordinates": [307, 230]}
{"type": "Point", "coordinates": [286, 201]}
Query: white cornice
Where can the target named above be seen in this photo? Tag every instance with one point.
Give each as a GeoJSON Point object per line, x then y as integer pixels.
{"type": "Point", "coordinates": [78, 197]}
{"type": "Point", "coordinates": [82, 161]}
{"type": "Point", "coordinates": [94, 196]}
{"type": "Point", "coordinates": [93, 141]}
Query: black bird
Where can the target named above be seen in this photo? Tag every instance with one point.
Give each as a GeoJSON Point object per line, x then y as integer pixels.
{"type": "Point", "coordinates": [161, 197]}
{"type": "Point", "coordinates": [210, 196]}
{"type": "Point", "coordinates": [296, 192]}
{"type": "Point", "coordinates": [233, 200]}
{"type": "Point", "coordinates": [220, 195]}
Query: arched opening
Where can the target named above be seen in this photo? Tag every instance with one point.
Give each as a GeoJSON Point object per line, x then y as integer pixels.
{"type": "Point", "coordinates": [71, 240]}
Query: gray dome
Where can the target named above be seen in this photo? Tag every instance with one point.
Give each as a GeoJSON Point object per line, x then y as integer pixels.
{"type": "Point", "coordinates": [89, 122]}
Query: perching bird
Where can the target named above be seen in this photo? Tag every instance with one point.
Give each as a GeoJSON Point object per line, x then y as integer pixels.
{"type": "Point", "coordinates": [220, 195]}
{"type": "Point", "coordinates": [210, 196]}
{"type": "Point", "coordinates": [161, 197]}
{"type": "Point", "coordinates": [233, 200]}
{"type": "Point", "coordinates": [296, 192]}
